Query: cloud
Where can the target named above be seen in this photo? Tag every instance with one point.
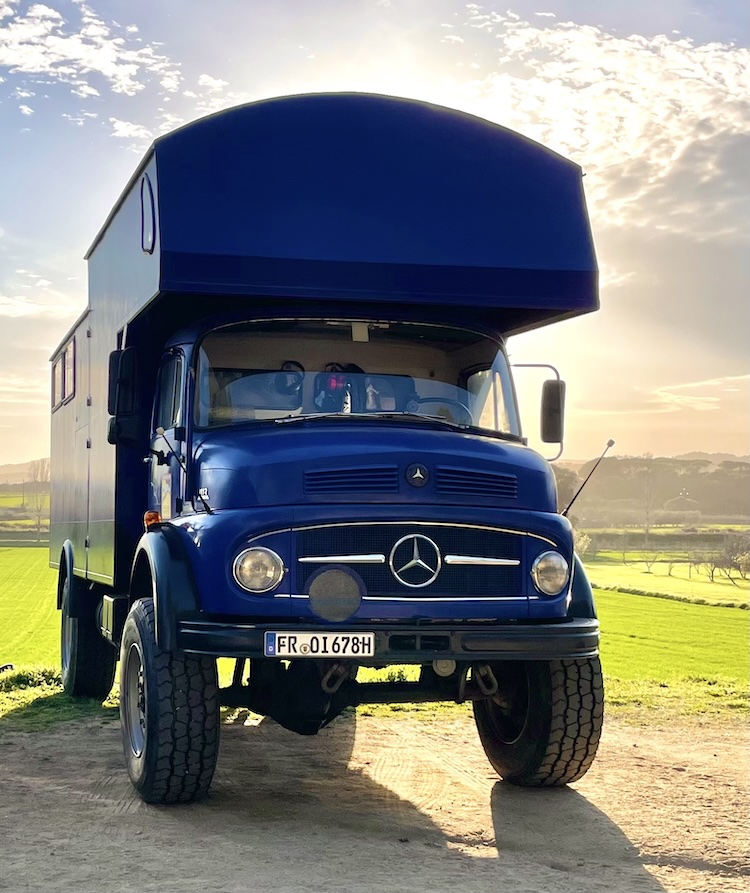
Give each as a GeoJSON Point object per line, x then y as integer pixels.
{"type": "Point", "coordinates": [215, 95]}
{"type": "Point", "coordinates": [128, 130]}
{"type": "Point", "coordinates": [213, 84]}
{"type": "Point", "coordinates": [85, 91]}
{"type": "Point", "coordinates": [44, 46]}
{"type": "Point", "coordinates": [21, 389]}
{"type": "Point", "coordinates": [635, 112]}
{"type": "Point", "coordinates": [721, 394]}
{"type": "Point", "coordinates": [25, 110]}
{"type": "Point", "coordinates": [47, 303]}
{"type": "Point", "coordinates": [16, 306]}
{"type": "Point", "coordinates": [708, 397]}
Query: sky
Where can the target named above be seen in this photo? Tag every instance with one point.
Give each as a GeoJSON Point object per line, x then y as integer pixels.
{"type": "Point", "coordinates": [651, 99]}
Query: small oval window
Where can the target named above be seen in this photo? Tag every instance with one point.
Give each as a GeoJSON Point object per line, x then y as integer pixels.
{"type": "Point", "coordinates": [148, 216]}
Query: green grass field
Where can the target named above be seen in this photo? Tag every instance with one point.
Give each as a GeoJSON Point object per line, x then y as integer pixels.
{"type": "Point", "coordinates": [16, 500]}
{"type": "Point", "coordinates": [683, 583]}
{"type": "Point", "coordinates": [661, 658]}
{"type": "Point", "coordinates": [29, 631]}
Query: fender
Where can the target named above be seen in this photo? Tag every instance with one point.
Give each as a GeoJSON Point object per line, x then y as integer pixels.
{"type": "Point", "coordinates": [77, 598]}
{"type": "Point", "coordinates": [581, 593]}
{"type": "Point", "coordinates": [174, 589]}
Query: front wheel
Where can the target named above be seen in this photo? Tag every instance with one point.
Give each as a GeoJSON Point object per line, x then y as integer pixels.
{"type": "Point", "coordinates": [169, 714]}
{"type": "Point", "coordinates": [543, 726]}
{"type": "Point", "coordinates": [87, 659]}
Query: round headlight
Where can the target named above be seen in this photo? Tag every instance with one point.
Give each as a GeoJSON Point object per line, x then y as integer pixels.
{"type": "Point", "coordinates": [550, 573]}
{"type": "Point", "coordinates": [258, 569]}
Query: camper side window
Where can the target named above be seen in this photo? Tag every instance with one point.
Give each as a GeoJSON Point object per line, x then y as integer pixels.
{"type": "Point", "coordinates": [169, 406]}
{"type": "Point", "coordinates": [63, 376]}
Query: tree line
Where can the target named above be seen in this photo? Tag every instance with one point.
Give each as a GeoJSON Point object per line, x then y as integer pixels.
{"type": "Point", "coordinates": [647, 490]}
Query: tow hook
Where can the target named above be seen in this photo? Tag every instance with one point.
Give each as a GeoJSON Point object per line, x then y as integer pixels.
{"type": "Point", "coordinates": [334, 678]}
{"type": "Point", "coordinates": [485, 679]}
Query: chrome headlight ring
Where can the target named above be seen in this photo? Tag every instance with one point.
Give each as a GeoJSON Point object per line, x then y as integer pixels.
{"type": "Point", "coordinates": [258, 569]}
{"type": "Point", "coordinates": [550, 573]}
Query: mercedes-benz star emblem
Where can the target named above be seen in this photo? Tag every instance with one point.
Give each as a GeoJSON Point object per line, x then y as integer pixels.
{"type": "Point", "coordinates": [415, 560]}
{"type": "Point", "coordinates": [417, 474]}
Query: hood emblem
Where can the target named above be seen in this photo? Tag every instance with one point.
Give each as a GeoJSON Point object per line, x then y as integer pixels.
{"type": "Point", "coordinates": [415, 560]}
{"type": "Point", "coordinates": [417, 474]}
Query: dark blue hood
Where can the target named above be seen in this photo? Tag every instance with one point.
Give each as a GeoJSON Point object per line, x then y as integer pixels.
{"type": "Point", "coordinates": [350, 460]}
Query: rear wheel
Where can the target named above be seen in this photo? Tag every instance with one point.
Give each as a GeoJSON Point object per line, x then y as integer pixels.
{"type": "Point", "coordinates": [87, 659]}
{"type": "Point", "coordinates": [169, 713]}
{"type": "Point", "coordinates": [544, 724]}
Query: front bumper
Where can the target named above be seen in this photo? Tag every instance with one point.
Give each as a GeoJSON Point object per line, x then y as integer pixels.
{"type": "Point", "coordinates": [410, 643]}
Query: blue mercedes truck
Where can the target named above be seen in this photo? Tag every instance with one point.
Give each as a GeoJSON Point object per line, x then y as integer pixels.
{"type": "Point", "coordinates": [285, 431]}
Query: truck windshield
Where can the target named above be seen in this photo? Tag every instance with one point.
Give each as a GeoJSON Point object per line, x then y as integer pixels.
{"type": "Point", "coordinates": [275, 370]}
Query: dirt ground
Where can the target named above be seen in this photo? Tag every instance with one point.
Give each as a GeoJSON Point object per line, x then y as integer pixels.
{"type": "Point", "coordinates": [371, 804]}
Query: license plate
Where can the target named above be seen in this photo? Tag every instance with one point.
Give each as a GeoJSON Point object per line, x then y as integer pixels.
{"type": "Point", "coordinates": [304, 644]}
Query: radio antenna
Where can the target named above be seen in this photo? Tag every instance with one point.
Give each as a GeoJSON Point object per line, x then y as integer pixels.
{"type": "Point", "coordinates": [610, 443]}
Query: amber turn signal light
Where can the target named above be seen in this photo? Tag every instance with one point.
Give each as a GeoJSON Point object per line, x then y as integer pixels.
{"type": "Point", "coordinates": [150, 519]}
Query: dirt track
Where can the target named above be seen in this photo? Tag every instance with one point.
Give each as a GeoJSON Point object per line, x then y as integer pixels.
{"type": "Point", "coordinates": [375, 805]}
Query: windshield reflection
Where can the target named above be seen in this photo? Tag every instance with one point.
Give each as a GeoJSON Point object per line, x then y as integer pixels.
{"type": "Point", "coordinates": [245, 375]}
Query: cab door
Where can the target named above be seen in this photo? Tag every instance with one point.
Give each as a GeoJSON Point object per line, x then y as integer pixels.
{"type": "Point", "coordinates": [167, 448]}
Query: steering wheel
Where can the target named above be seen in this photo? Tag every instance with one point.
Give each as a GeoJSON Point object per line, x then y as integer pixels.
{"type": "Point", "coordinates": [464, 413]}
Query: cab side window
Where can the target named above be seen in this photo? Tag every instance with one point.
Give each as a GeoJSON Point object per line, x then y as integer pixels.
{"type": "Point", "coordinates": [63, 376]}
{"type": "Point", "coordinates": [169, 402]}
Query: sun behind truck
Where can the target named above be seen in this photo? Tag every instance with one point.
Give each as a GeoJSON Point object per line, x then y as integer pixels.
{"type": "Point", "coordinates": [285, 431]}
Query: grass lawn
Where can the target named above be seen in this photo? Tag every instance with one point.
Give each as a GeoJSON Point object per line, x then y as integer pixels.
{"type": "Point", "coordinates": [676, 657]}
{"type": "Point", "coordinates": [682, 583]}
{"type": "Point", "coordinates": [29, 625]}
{"type": "Point", "coordinates": [16, 500]}
{"type": "Point", "coordinates": [660, 657]}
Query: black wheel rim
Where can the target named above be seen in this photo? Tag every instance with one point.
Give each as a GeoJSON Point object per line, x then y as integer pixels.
{"type": "Point", "coordinates": [134, 693]}
{"type": "Point", "coordinates": [509, 709]}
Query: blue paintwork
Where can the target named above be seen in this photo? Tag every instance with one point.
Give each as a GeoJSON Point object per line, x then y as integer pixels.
{"type": "Point", "coordinates": [358, 196]}
{"type": "Point", "coordinates": [212, 541]}
{"type": "Point", "coordinates": [332, 204]}
{"type": "Point", "coordinates": [263, 464]}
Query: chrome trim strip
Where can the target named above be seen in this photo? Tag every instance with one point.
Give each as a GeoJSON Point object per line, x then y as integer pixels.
{"type": "Point", "coordinates": [478, 560]}
{"type": "Point", "coordinates": [416, 598]}
{"type": "Point", "coordinates": [343, 559]}
{"type": "Point", "coordinates": [378, 523]}
{"type": "Point", "coordinates": [459, 599]}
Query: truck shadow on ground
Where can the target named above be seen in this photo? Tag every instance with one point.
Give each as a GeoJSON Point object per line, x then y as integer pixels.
{"type": "Point", "coordinates": [365, 804]}
{"type": "Point", "coordinates": [409, 794]}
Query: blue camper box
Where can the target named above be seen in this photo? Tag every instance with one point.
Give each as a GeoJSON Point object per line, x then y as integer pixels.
{"type": "Point", "coordinates": [285, 431]}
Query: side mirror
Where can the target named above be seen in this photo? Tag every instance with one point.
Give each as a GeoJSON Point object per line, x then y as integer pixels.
{"type": "Point", "coordinates": [114, 374]}
{"type": "Point", "coordinates": [121, 396]}
{"type": "Point", "coordinates": [553, 411]}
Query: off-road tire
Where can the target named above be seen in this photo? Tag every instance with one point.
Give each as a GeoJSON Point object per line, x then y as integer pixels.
{"type": "Point", "coordinates": [87, 659]}
{"type": "Point", "coordinates": [169, 714]}
{"type": "Point", "coordinates": [543, 727]}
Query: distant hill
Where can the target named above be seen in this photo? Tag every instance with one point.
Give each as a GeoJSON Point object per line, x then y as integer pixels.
{"type": "Point", "coordinates": [714, 458]}
{"type": "Point", "coordinates": [14, 474]}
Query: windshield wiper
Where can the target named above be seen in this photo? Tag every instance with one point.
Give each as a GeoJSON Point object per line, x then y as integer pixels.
{"type": "Point", "coordinates": [461, 426]}
{"type": "Point", "coordinates": [401, 416]}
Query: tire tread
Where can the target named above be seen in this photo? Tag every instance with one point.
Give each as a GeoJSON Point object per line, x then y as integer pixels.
{"type": "Point", "coordinates": [576, 723]}
{"type": "Point", "coordinates": [569, 717]}
{"type": "Point", "coordinates": [91, 671]}
{"type": "Point", "coordinates": [184, 747]}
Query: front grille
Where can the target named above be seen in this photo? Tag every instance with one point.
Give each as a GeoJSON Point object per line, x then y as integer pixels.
{"type": "Point", "coordinates": [370, 479]}
{"type": "Point", "coordinates": [459, 581]}
{"type": "Point", "coordinates": [467, 482]}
